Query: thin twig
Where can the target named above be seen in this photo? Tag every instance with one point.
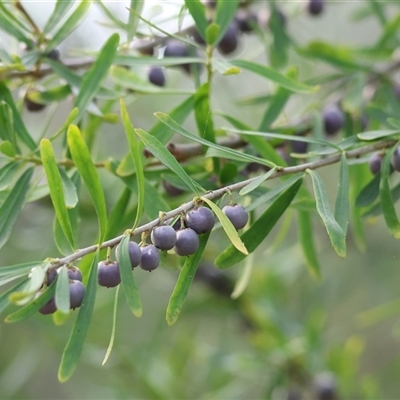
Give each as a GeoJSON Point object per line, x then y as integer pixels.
{"type": "Point", "coordinates": [215, 194]}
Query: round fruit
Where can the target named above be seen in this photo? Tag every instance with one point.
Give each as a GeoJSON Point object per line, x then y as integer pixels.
{"type": "Point", "coordinates": [187, 242]}
{"type": "Point", "coordinates": [172, 190]}
{"type": "Point", "coordinates": [333, 119]}
{"type": "Point", "coordinates": [51, 276]}
{"type": "Point", "coordinates": [108, 274]}
{"type": "Point", "coordinates": [201, 220]}
{"type": "Point", "coordinates": [315, 7]}
{"type": "Point", "coordinates": [163, 237]}
{"type": "Point", "coordinates": [396, 159]}
{"type": "Point", "coordinates": [237, 215]}
{"type": "Point", "coordinates": [32, 105]}
{"type": "Point", "coordinates": [175, 48]}
{"type": "Point", "coordinates": [49, 308]}
{"type": "Point", "coordinates": [229, 41]}
{"type": "Point", "coordinates": [54, 54]}
{"type": "Point", "coordinates": [74, 274]}
{"type": "Point", "coordinates": [375, 162]}
{"type": "Point", "coordinates": [156, 76]}
{"type": "Point", "coordinates": [299, 147]}
{"type": "Point", "coordinates": [76, 293]}
{"type": "Point", "coordinates": [245, 20]}
{"type": "Point", "coordinates": [325, 386]}
{"type": "Point", "coordinates": [134, 254]}
{"type": "Point", "coordinates": [150, 257]}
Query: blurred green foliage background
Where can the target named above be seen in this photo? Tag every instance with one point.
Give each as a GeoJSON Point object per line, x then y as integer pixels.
{"type": "Point", "coordinates": [283, 331]}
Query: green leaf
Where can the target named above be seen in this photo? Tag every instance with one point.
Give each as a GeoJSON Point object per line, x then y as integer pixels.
{"type": "Point", "coordinates": [179, 114]}
{"type": "Point", "coordinates": [70, 193]}
{"type": "Point", "coordinates": [278, 49]}
{"type": "Point", "coordinates": [56, 189]}
{"type": "Point", "coordinates": [18, 123]}
{"type": "Point", "coordinates": [335, 232]}
{"type": "Point", "coordinates": [7, 149]}
{"type": "Point", "coordinates": [130, 80]}
{"type": "Point", "coordinates": [202, 113]}
{"type": "Point", "coordinates": [33, 307]}
{"type": "Point", "coordinates": [136, 154]}
{"type": "Point", "coordinates": [224, 67]}
{"type": "Point", "coordinates": [133, 20]}
{"type": "Point", "coordinates": [127, 280]}
{"type": "Point", "coordinates": [259, 230]}
{"type": "Point", "coordinates": [244, 277]}
{"type": "Point", "coordinates": [256, 182]}
{"type": "Point", "coordinates": [228, 227]}
{"type": "Point", "coordinates": [395, 123]}
{"type": "Point", "coordinates": [184, 281]}
{"type": "Point", "coordinates": [224, 14]}
{"type": "Point", "coordinates": [114, 19]}
{"type": "Point", "coordinates": [94, 78]}
{"type": "Point", "coordinates": [12, 206]}
{"type": "Point", "coordinates": [71, 117]}
{"type": "Point", "coordinates": [197, 11]}
{"type": "Point", "coordinates": [60, 10]}
{"type": "Point", "coordinates": [375, 135]}
{"type": "Point", "coordinates": [73, 21]}
{"type": "Point", "coordinates": [50, 95]}
{"type": "Point", "coordinates": [135, 61]}
{"type": "Point", "coordinates": [114, 327]}
{"type": "Point", "coordinates": [274, 76]}
{"type": "Point", "coordinates": [7, 123]}
{"type": "Point", "coordinates": [369, 192]}
{"type": "Point", "coordinates": [215, 150]}
{"type": "Point", "coordinates": [13, 27]}
{"type": "Point", "coordinates": [166, 158]}
{"type": "Point", "coordinates": [19, 268]}
{"type": "Point", "coordinates": [4, 297]}
{"type": "Point", "coordinates": [115, 218]}
{"type": "Point", "coordinates": [84, 164]}
{"type": "Point", "coordinates": [388, 210]}
{"type": "Point", "coordinates": [342, 199]}
{"type": "Point", "coordinates": [73, 349]}
{"type": "Point", "coordinates": [306, 239]}
{"type": "Point", "coordinates": [7, 174]}
{"type": "Point", "coordinates": [62, 291]}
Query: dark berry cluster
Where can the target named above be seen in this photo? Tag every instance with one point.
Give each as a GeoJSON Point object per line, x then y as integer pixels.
{"type": "Point", "coordinates": [76, 289]}
{"type": "Point", "coordinates": [181, 236]}
{"type": "Point", "coordinates": [375, 161]}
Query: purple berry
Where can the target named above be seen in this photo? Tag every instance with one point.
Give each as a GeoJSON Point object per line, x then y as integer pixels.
{"type": "Point", "coordinates": [245, 20]}
{"type": "Point", "coordinates": [163, 237]}
{"type": "Point", "coordinates": [54, 54]}
{"type": "Point", "coordinates": [74, 273]}
{"type": "Point", "coordinates": [229, 41]}
{"type": "Point", "coordinates": [299, 147]}
{"type": "Point", "coordinates": [108, 274]}
{"type": "Point", "coordinates": [156, 76]}
{"type": "Point", "coordinates": [237, 215]}
{"type": "Point", "coordinates": [315, 7]}
{"type": "Point", "coordinates": [375, 162]}
{"type": "Point", "coordinates": [333, 119]}
{"type": "Point", "coordinates": [172, 190]}
{"type": "Point", "coordinates": [32, 105]}
{"type": "Point", "coordinates": [134, 254]}
{"type": "Point", "coordinates": [396, 159]}
{"type": "Point", "coordinates": [76, 293]}
{"type": "Point", "coordinates": [49, 308]}
{"type": "Point", "coordinates": [51, 276]}
{"type": "Point", "coordinates": [187, 242]}
{"type": "Point", "coordinates": [150, 257]}
{"type": "Point", "coordinates": [325, 386]}
{"type": "Point", "coordinates": [201, 220]}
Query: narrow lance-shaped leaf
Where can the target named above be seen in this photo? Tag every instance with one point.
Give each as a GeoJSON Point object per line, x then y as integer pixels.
{"type": "Point", "coordinates": [19, 268]}
{"type": "Point", "coordinates": [215, 149]}
{"type": "Point", "coordinates": [274, 76]}
{"type": "Point", "coordinates": [12, 26]}
{"type": "Point", "coordinates": [342, 198]}
{"type": "Point", "coordinates": [62, 290]}
{"type": "Point", "coordinates": [70, 24]}
{"type": "Point", "coordinates": [7, 174]}
{"type": "Point", "coordinates": [33, 307]}
{"type": "Point", "coordinates": [128, 282]}
{"type": "Point", "coordinates": [306, 239]}
{"type": "Point", "coordinates": [228, 227]}
{"type": "Point", "coordinates": [335, 232]}
{"type": "Point", "coordinates": [56, 189]}
{"type": "Point", "coordinates": [136, 154]}
{"type": "Point", "coordinates": [19, 125]}
{"type": "Point", "coordinates": [12, 206]}
{"type": "Point", "coordinates": [256, 182]}
{"type": "Point", "coordinates": [73, 349]}
{"type": "Point", "coordinates": [114, 327]}
{"type": "Point", "coordinates": [60, 10]}
{"type": "Point", "coordinates": [133, 20]}
{"type": "Point", "coordinates": [259, 230]}
{"type": "Point", "coordinates": [165, 157]}
{"type": "Point", "coordinates": [95, 76]}
{"type": "Point", "coordinates": [224, 14]}
{"type": "Point", "coordinates": [83, 161]}
{"type": "Point", "coordinates": [4, 297]}
{"type": "Point", "coordinates": [202, 113]}
{"type": "Point", "coordinates": [7, 123]}
{"type": "Point", "coordinates": [197, 11]}
{"type": "Point", "coordinates": [244, 277]}
{"type": "Point", "coordinates": [370, 192]}
{"type": "Point", "coordinates": [388, 210]}
{"type": "Point", "coordinates": [184, 281]}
